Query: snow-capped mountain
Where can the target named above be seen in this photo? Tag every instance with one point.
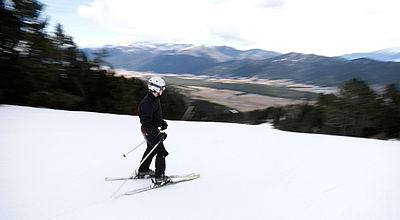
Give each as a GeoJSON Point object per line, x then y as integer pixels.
{"type": "Point", "coordinates": [388, 54]}
{"type": "Point", "coordinates": [215, 53]}
{"type": "Point", "coordinates": [174, 58]}
{"type": "Point", "coordinates": [227, 61]}
{"type": "Point", "coordinates": [224, 53]}
{"type": "Point", "coordinates": [143, 45]}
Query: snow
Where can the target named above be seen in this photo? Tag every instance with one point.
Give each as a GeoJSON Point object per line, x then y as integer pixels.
{"type": "Point", "coordinates": [53, 164]}
{"type": "Point", "coordinates": [391, 50]}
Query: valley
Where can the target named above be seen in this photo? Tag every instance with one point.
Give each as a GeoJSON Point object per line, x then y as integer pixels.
{"type": "Point", "coordinates": [241, 94]}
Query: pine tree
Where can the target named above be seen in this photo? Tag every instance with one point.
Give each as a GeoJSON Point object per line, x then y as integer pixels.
{"type": "Point", "coordinates": [356, 110]}
{"type": "Point", "coordinates": [23, 40]}
{"type": "Point", "coordinates": [390, 116]}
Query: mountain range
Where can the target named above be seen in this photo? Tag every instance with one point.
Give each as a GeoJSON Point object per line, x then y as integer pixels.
{"type": "Point", "coordinates": [224, 61]}
{"type": "Point", "coordinates": [388, 54]}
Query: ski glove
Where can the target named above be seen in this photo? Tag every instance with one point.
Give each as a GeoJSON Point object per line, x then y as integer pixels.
{"type": "Point", "coordinates": [164, 125]}
{"type": "Point", "coordinates": [162, 136]}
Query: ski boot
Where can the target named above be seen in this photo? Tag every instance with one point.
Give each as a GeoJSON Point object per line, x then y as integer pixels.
{"type": "Point", "coordinates": [162, 180]}
{"type": "Point", "coordinates": [144, 175]}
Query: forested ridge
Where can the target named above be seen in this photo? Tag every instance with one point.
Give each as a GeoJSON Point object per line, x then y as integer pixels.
{"type": "Point", "coordinates": [44, 69]}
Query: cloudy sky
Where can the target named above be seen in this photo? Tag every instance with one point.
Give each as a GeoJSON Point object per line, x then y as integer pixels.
{"type": "Point", "coordinates": [324, 27]}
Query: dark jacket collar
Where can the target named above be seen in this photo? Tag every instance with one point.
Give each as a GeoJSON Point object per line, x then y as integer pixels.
{"type": "Point", "coordinates": [152, 96]}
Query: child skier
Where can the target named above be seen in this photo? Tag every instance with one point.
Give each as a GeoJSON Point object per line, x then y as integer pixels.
{"type": "Point", "coordinates": [150, 114]}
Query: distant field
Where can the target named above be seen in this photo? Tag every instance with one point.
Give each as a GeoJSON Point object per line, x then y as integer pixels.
{"type": "Point", "coordinates": [250, 88]}
{"type": "Point", "coordinates": [240, 94]}
{"type": "Point", "coordinates": [233, 99]}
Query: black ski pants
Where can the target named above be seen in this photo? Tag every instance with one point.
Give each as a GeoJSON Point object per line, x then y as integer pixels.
{"type": "Point", "coordinates": [160, 158]}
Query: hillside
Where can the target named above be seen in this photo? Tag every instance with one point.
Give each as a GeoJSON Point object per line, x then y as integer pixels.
{"type": "Point", "coordinates": [312, 69]}
{"type": "Point", "coordinates": [54, 164]}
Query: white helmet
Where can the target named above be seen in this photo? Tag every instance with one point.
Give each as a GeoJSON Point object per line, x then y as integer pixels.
{"type": "Point", "coordinates": [156, 84]}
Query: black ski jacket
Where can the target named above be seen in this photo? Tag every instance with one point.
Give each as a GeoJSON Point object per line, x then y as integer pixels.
{"type": "Point", "coordinates": [150, 114]}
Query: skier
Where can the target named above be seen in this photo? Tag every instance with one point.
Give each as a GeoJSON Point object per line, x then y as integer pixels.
{"type": "Point", "coordinates": [150, 114]}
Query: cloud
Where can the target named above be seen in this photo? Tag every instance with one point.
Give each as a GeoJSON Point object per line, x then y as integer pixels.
{"type": "Point", "coordinates": [179, 20]}
{"type": "Point", "coordinates": [326, 27]}
{"type": "Point", "coordinates": [271, 3]}
{"type": "Point", "coordinates": [96, 9]}
{"type": "Point", "coordinates": [226, 33]}
{"type": "Point", "coordinates": [173, 19]}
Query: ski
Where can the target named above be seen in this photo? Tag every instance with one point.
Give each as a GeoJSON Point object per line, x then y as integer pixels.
{"type": "Point", "coordinates": [147, 177]}
{"type": "Point", "coordinates": [153, 186]}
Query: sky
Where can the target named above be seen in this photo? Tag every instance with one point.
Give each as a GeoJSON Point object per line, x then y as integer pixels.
{"type": "Point", "coordinates": [323, 27]}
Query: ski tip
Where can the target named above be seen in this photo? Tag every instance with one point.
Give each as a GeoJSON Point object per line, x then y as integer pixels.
{"type": "Point", "coordinates": [194, 175]}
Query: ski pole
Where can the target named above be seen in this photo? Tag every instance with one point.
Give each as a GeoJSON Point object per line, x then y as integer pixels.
{"type": "Point", "coordinates": [144, 159]}
{"type": "Point", "coordinates": [135, 171]}
{"type": "Point", "coordinates": [134, 149]}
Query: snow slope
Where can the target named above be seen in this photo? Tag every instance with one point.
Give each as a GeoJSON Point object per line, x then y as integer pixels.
{"type": "Point", "coordinates": [53, 164]}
